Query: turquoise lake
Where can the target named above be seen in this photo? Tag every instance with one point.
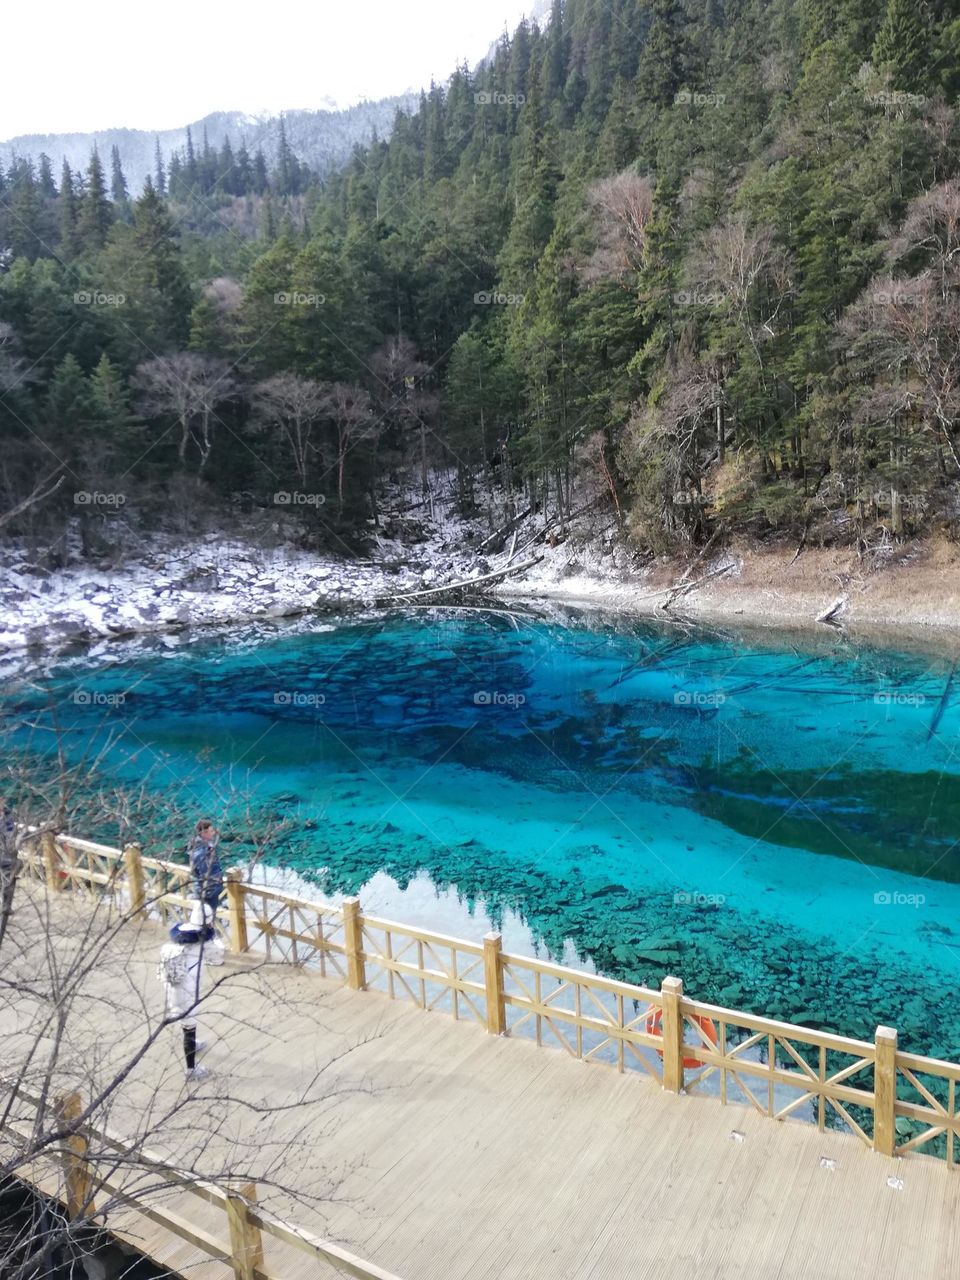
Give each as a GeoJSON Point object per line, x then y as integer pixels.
{"type": "Point", "coordinates": [774, 820]}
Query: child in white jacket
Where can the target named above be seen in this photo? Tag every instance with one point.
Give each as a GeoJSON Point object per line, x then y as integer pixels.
{"type": "Point", "coordinates": [191, 945]}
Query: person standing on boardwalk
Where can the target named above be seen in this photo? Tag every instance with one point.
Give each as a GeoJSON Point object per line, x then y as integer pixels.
{"type": "Point", "coordinates": [182, 959]}
{"type": "Point", "coordinates": [205, 865]}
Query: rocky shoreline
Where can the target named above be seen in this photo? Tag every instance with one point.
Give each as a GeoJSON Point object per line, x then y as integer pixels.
{"type": "Point", "coordinates": [212, 582]}
{"type": "Point", "coordinates": [168, 586]}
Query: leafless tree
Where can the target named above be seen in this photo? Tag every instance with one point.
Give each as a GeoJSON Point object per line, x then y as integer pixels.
{"type": "Point", "coordinates": [749, 273]}
{"type": "Point", "coordinates": [401, 398]}
{"type": "Point", "coordinates": [932, 229]}
{"type": "Point", "coordinates": [906, 333]}
{"type": "Point", "coordinates": [44, 489]}
{"type": "Point", "coordinates": [621, 208]}
{"type": "Point", "coordinates": [190, 388]}
{"type": "Point", "coordinates": [295, 406]}
{"type": "Point", "coordinates": [667, 443]}
{"type": "Point", "coordinates": [350, 409]}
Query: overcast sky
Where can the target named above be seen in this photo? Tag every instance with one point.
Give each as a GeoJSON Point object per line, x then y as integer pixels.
{"type": "Point", "coordinates": [76, 67]}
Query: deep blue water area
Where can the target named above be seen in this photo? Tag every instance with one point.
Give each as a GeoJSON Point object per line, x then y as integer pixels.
{"type": "Point", "coordinates": [775, 820]}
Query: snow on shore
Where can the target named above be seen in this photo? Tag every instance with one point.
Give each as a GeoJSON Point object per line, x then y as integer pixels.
{"type": "Point", "coordinates": [168, 585]}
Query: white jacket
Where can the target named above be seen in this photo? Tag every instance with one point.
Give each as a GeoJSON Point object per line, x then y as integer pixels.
{"type": "Point", "coordinates": [181, 972]}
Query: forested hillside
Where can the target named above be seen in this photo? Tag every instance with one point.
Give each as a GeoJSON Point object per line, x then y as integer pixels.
{"type": "Point", "coordinates": [324, 140]}
{"type": "Point", "coordinates": [700, 258]}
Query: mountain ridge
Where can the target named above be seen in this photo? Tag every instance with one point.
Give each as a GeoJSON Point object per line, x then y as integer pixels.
{"type": "Point", "coordinates": [323, 139]}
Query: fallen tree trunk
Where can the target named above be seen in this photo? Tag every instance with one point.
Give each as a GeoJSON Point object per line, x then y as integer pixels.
{"type": "Point", "coordinates": [682, 587]}
{"type": "Point", "coordinates": [504, 530]}
{"type": "Point", "coordinates": [464, 584]}
{"type": "Point", "coordinates": [551, 524]}
{"type": "Point", "coordinates": [829, 615]}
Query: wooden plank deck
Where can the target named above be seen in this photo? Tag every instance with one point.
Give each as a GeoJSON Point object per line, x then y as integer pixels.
{"type": "Point", "coordinates": [442, 1153]}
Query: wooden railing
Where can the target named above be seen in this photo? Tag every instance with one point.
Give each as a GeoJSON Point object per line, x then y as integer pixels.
{"type": "Point", "coordinates": [892, 1101]}
{"type": "Point", "coordinates": [240, 1244]}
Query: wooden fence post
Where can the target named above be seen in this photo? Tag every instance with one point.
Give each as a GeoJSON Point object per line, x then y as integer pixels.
{"type": "Point", "coordinates": [671, 1028]}
{"type": "Point", "coordinates": [78, 1179]}
{"type": "Point", "coordinates": [237, 907]}
{"type": "Point", "coordinates": [51, 860]}
{"type": "Point", "coordinates": [493, 980]}
{"type": "Point", "coordinates": [885, 1091]}
{"type": "Point", "coordinates": [246, 1241]}
{"type": "Point", "coordinates": [353, 941]}
{"type": "Point", "coordinates": [136, 886]}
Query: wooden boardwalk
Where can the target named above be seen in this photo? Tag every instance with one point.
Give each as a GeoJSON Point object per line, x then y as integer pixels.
{"type": "Point", "coordinates": [438, 1152]}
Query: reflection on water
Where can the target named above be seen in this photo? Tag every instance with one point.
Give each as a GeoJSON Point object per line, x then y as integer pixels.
{"type": "Point", "coordinates": [776, 823]}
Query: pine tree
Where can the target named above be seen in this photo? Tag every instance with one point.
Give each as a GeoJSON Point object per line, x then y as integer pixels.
{"type": "Point", "coordinates": [268, 222]}
{"type": "Point", "coordinates": [25, 232]}
{"type": "Point", "coordinates": [261, 179]}
{"type": "Point", "coordinates": [555, 65]}
{"type": "Point", "coordinates": [206, 333]}
{"type": "Point", "coordinates": [176, 182]}
{"type": "Point", "coordinates": [287, 180]}
{"type": "Point", "coordinates": [244, 171]}
{"type": "Point", "coordinates": [191, 172]}
{"type": "Point", "coordinates": [68, 399]}
{"type": "Point", "coordinates": [159, 172]}
{"type": "Point", "coordinates": [45, 182]}
{"type": "Point", "coordinates": [901, 46]}
{"type": "Point", "coordinates": [69, 214]}
{"type": "Point", "coordinates": [208, 165]}
{"type": "Point", "coordinates": [159, 266]}
{"type": "Point", "coordinates": [227, 170]}
{"type": "Point", "coordinates": [109, 408]}
{"type": "Point", "coordinates": [96, 215]}
{"type": "Point", "coordinates": [118, 183]}
{"type": "Point", "coordinates": [664, 62]}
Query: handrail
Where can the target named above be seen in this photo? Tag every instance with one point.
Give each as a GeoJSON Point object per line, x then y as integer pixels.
{"type": "Point", "coordinates": [592, 1017]}
{"type": "Point", "coordinates": [253, 1219]}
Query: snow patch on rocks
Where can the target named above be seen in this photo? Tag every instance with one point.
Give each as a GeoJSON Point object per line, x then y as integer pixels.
{"type": "Point", "coordinates": [168, 584]}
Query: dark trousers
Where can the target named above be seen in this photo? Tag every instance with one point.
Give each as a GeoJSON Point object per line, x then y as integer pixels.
{"type": "Point", "coordinates": [190, 1045]}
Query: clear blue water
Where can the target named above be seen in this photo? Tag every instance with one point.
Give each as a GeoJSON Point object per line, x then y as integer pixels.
{"type": "Point", "coordinates": [776, 822]}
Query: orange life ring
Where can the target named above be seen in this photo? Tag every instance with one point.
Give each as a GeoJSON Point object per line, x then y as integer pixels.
{"type": "Point", "coordinates": [652, 1027]}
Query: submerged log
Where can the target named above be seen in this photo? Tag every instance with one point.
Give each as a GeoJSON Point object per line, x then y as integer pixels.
{"type": "Point", "coordinates": [942, 704]}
